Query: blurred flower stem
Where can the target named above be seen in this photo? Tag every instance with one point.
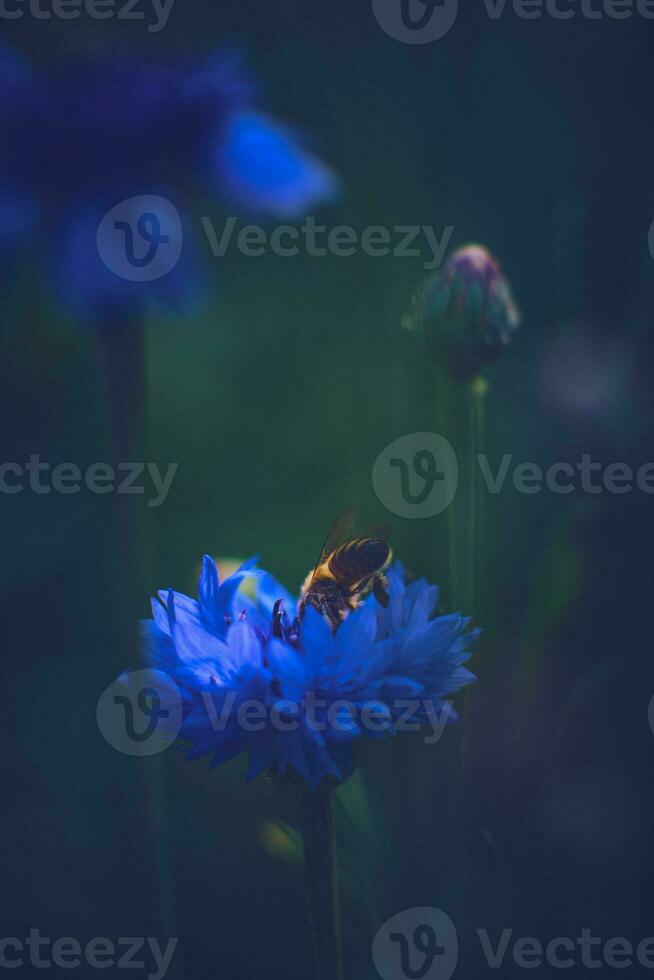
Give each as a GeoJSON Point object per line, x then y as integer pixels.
{"type": "Point", "coordinates": [123, 344]}
{"type": "Point", "coordinates": [123, 351]}
{"type": "Point", "coordinates": [123, 347]}
{"type": "Point", "coordinates": [463, 318]}
{"type": "Point", "coordinates": [473, 517]}
{"type": "Point", "coordinates": [321, 880]}
{"type": "Point", "coordinates": [463, 409]}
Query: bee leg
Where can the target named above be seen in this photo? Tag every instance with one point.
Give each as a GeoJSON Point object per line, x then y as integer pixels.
{"type": "Point", "coordinates": [379, 591]}
{"type": "Point", "coordinates": [278, 619]}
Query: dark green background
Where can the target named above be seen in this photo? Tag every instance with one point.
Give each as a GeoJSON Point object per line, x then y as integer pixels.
{"type": "Point", "coordinates": [535, 138]}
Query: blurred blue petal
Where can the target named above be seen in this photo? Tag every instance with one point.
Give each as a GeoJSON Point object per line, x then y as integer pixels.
{"type": "Point", "coordinates": [14, 70]}
{"type": "Point", "coordinates": [87, 135]}
{"type": "Point", "coordinates": [17, 216]}
{"type": "Point", "coordinates": [264, 169]}
{"type": "Point", "coordinates": [89, 273]}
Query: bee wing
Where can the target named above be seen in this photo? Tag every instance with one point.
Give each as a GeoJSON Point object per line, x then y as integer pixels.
{"type": "Point", "coordinates": [381, 532]}
{"type": "Point", "coordinates": [340, 531]}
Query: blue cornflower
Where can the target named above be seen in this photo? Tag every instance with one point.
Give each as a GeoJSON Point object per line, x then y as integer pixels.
{"type": "Point", "coordinates": [84, 137]}
{"type": "Point", "coordinates": [291, 692]}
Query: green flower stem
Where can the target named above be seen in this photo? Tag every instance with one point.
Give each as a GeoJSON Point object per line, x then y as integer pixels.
{"type": "Point", "coordinates": [122, 344]}
{"type": "Point", "coordinates": [475, 524]}
{"type": "Point", "coordinates": [465, 410]}
{"type": "Point", "coordinates": [321, 880]}
{"type": "Point", "coordinates": [124, 357]}
{"type": "Point", "coordinates": [123, 347]}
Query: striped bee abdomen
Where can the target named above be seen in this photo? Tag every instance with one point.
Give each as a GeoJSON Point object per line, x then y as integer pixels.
{"type": "Point", "coordinates": [358, 560]}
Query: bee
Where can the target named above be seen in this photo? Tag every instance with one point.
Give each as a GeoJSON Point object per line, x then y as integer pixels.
{"type": "Point", "coordinates": [350, 566]}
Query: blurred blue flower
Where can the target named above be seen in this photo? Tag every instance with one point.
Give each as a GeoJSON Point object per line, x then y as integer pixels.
{"type": "Point", "coordinates": [84, 137]}
{"type": "Point", "coordinates": [292, 693]}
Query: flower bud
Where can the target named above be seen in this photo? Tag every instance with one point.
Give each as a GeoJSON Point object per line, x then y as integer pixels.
{"type": "Point", "coordinates": [465, 314]}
